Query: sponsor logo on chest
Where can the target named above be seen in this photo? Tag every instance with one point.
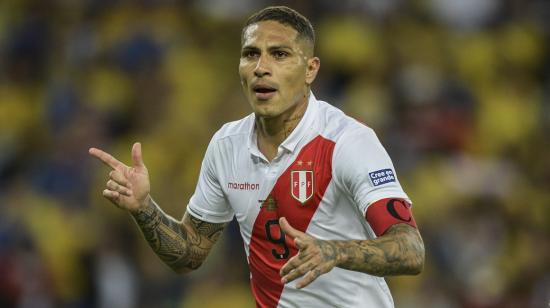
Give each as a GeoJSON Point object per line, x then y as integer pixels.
{"type": "Point", "coordinates": [243, 186]}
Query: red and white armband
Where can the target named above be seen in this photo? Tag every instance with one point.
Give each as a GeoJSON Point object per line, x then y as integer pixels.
{"type": "Point", "coordinates": [385, 213]}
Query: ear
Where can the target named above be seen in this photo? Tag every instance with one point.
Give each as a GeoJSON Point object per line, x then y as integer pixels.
{"type": "Point", "coordinates": [313, 65]}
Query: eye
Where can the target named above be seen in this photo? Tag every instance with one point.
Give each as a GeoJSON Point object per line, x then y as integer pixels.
{"type": "Point", "coordinates": [279, 54]}
{"type": "Point", "coordinates": [250, 54]}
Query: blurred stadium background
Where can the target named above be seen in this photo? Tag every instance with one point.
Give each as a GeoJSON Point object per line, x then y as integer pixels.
{"type": "Point", "coordinates": [458, 91]}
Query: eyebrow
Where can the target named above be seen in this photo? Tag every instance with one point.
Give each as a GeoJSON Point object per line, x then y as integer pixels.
{"type": "Point", "coordinates": [274, 47]}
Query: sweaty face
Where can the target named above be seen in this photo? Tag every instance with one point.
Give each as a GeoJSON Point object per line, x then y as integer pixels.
{"type": "Point", "coordinates": [274, 68]}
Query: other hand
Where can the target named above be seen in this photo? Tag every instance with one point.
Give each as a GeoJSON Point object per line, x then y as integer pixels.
{"type": "Point", "coordinates": [314, 258]}
{"type": "Point", "coordinates": [128, 187]}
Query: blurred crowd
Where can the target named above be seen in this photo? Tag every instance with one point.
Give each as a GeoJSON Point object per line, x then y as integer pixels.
{"type": "Point", "coordinates": [458, 92]}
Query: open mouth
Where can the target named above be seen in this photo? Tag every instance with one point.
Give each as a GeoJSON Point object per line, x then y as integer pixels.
{"type": "Point", "coordinates": [264, 92]}
{"type": "Point", "coordinates": [263, 89]}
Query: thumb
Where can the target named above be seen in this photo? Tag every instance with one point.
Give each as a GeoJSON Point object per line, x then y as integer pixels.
{"type": "Point", "coordinates": [137, 158]}
{"type": "Point", "coordinates": [288, 229]}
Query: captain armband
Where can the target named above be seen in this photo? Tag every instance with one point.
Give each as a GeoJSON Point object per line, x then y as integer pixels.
{"type": "Point", "coordinates": [385, 213]}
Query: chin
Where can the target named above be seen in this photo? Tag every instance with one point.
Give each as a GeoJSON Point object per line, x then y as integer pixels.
{"type": "Point", "coordinates": [262, 108]}
{"type": "Point", "coordinates": [260, 112]}
{"type": "Point", "coordinates": [265, 112]}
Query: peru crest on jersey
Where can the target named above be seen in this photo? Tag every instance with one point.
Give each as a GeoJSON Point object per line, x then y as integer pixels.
{"type": "Point", "coordinates": [301, 182]}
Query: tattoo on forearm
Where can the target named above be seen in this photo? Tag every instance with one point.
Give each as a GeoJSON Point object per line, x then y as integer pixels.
{"type": "Point", "coordinates": [182, 248]}
{"type": "Point", "coordinates": [399, 251]}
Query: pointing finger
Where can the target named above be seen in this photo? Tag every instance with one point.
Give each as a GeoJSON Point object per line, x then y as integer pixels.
{"type": "Point", "coordinates": [106, 158]}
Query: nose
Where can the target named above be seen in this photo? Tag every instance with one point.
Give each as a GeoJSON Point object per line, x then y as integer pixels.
{"type": "Point", "coordinates": [262, 67]}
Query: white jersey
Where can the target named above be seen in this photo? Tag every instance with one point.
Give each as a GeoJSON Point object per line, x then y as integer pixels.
{"type": "Point", "coordinates": [323, 179]}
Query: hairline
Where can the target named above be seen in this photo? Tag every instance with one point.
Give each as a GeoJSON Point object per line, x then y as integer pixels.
{"type": "Point", "coordinates": [299, 36]}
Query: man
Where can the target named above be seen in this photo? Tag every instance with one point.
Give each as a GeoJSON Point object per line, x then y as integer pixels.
{"type": "Point", "coordinates": [321, 212]}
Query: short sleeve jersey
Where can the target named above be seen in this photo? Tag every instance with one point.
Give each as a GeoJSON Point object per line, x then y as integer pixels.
{"type": "Point", "coordinates": [324, 178]}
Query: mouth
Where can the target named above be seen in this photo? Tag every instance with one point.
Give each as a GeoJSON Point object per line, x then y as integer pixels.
{"type": "Point", "coordinates": [264, 91]}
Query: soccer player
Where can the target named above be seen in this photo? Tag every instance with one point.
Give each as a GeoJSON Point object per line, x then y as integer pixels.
{"type": "Point", "coordinates": [321, 211]}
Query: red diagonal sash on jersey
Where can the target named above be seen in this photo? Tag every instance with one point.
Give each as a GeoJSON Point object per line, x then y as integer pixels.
{"type": "Point", "coordinates": [269, 251]}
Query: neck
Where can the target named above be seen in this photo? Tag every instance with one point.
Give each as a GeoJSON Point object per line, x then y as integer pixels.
{"type": "Point", "coordinates": [273, 131]}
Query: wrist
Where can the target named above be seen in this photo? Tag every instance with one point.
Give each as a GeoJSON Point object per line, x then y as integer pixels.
{"type": "Point", "coordinates": [340, 251]}
{"type": "Point", "coordinates": [143, 206]}
{"type": "Point", "coordinates": [148, 217]}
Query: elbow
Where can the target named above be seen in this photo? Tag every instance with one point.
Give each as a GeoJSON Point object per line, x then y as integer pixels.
{"type": "Point", "coordinates": [182, 270]}
{"type": "Point", "coordinates": [418, 259]}
{"type": "Point", "coordinates": [418, 266]}
{"type": "Point", "coordinates": [185, 268]}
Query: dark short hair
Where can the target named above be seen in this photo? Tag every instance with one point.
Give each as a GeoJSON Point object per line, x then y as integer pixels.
{"type": "Point", "coordinates": [285, 16]}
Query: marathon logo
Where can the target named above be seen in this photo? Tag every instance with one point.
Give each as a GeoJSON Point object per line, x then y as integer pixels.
{"type": "Point", "coordinates": [243, 186]}
{"type": "Point", "coordinates": [382, 177]}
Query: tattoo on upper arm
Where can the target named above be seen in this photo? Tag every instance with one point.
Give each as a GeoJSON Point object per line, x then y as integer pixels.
{"type": "Point", "coordinates": [182, 247]}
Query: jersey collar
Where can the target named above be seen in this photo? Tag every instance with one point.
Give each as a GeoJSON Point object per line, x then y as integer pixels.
{"type": "Point", "coordinates": [297, 134]}
{"type": "Point", "coordinates": [302, 128]}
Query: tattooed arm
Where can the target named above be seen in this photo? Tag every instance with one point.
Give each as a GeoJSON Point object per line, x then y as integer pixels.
{"type": "Point", "coordinates": [182, 245]}
{"type": "Point", "coordinates": [399, 251]}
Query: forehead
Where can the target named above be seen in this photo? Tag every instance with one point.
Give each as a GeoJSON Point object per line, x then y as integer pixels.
{"type": "Point", "coordinates": [268, 32]}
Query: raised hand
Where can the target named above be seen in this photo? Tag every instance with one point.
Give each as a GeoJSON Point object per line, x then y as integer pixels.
{"type": "Point", "coordinates": [128, 187]}
{"type": "Point", "coordinates": [315, 257]}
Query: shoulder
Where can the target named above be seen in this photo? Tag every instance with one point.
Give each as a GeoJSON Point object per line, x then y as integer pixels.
{"type": "Point", "coordinates": [355, 143]}
{"type": "Point", "coordinates": [226, 142]}
{"type": "Point", "coordinates": [341, 128]}
{"type": "Point", "coordinates": [235, 129]}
